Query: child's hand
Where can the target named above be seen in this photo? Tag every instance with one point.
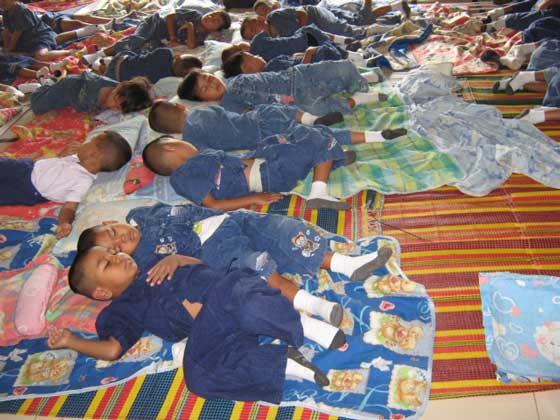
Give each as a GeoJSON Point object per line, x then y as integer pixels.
{"type": "Point", "coordinates": [63, 230]}
{"type": "Point", "coordinates": [164, 268]}
{"type": "Point", "coordinates": [59, 338]}
{"type": "Point", "coordinates": [172, 43]}
{"type": "Point", "coordinates": [267, 198]}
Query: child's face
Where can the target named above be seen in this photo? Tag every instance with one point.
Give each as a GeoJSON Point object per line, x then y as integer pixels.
{"type": "Point", "coordinates": [253, 27]}
{"type": "Point", "coordinates": [212, 21]}
{"type": "Point", "coordinates": [209, 87]}
{"type": "Point", "coordinates": [110, 270]}
{"type": "Point", "coordinates": [114, 101]}
{"type": "Point", "coordinates": [262, 9]}
{"type": "Point", "coordinates": [89, 152]}
{"type": "Point", "coordinates": [120, 237]}
{"type": "Point", "coordinates": [252, 63]}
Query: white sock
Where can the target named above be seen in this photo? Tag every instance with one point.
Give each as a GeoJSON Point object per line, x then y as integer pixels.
{"type": "Point", "coordinates": [513, 61]}
{"type": "Point", "coordinates": [346, 265]}
{"type": "Point", "coordinates": [535, 116]}
{"type": "Point", "coordinates": [14, 91]}
{"type": "Point", "coordinates": [397, 6]}
{"type": "Point", "coordinates": [305, 301]}
{"type": "Point", "coordinates": [319, 189]}
{"type": "Point", "coordinates": [357, 58]}
{"type": "Point", "coordinates": [371, 76]}
{"type": "Point", "coordinates": [59, 66]}
{"type": "Point", "coordinates": [90, 58]}
{"type": "Point", "coordinates": [365, 98]}
{"type": "Point", "coordinates": [308, 119]}
{"type": "Point", "coordinates": [86, 31]}
{"type": "Point", "coordinates": [338, 39]}
{"type": "Point", "coordinates": [373, 136]}
{"type": "Point", "coordinates": [522, 78]}
{"type": "Point", "coordinates": [379, 29]}
{"type": "Point", "coordinates": [299, 371]}
{"type": "Point", "coordinates": [29, 87]}
{"type": "Point", "coordinates": [318, 331]}
{"type": "Point", "coordinates": [525, 48]}
{"type": "Point", "coordinates": [497, 25]}
{"type": "Point", "coordinates": [47, 81]}
{"type": "Point", "coordinates": [496, 13]}
{"type": "Point", "coordinates": [502, 83]}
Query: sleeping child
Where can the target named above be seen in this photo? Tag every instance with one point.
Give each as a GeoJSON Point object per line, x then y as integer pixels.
{"type": "Point", "coordinates": [215, 128]}
{"type": "Point", "coordinates": [267, 243]}
{"type": "Point", "coordinates": [89, 92]}
{"type": "Point", "coordinates": [153, 65]}
{"type": "Point", "coordinates": [311, 87]}
{"type": "Point", "coordinates": [222, 181]}
{"type": "Point", "coordinates": [25, 32]}
{"type": "Point", "coordinates": [222, 313]}
{"type": "Point", "coordinates": [63, 179]}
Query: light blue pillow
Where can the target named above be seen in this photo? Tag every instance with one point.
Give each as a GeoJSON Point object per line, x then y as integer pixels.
{"type": "Point", "coordinates": [521, 316]}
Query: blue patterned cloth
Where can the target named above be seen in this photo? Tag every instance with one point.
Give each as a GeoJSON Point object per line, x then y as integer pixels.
{"type": "Point", "coordinates": [521, 316]}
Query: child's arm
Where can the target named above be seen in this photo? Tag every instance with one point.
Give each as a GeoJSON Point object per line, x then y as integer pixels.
{"type": "Point", "coordinates": [167, 266]}
{"type": "Point", "coordinates": [170, 24]}
{"type": "Point", "coordinates": [100, 349]}
{"type": "Point", "coordinates": [308, 56]}
{"type": "Point", "coordinates": [191, 36]}
{"type": "Point", "coordinates": [6, 35]}
{"type": "Point", "coordinates": [65, 219]}
{"type": "Point", "coordinates": [227, 204]}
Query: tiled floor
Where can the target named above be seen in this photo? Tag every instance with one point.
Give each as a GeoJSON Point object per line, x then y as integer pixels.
{"type": "Point", "coordinates": [537, 406]}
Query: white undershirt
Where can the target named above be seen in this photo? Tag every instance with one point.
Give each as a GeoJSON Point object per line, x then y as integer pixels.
{"type": "Point", "coordinates": [61, 179]}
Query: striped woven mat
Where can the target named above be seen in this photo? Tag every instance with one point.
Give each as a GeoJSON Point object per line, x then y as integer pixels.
{"type": "Point", "coordinates": [448, 237]}
{"type": "Point", "coordinates": [164, 396]}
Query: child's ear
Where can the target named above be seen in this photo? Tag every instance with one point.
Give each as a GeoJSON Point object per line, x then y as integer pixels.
{"type": "Point", "coordinates": [100, 293]}
{"type": "Point", "coordinates": [168, 147]}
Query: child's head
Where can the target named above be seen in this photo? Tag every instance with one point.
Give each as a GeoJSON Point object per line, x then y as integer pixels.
{"type": "Point", "coordinates": [165, 154]}
{"type": "Point", "coordinates": [215, 21]}
{"type": "Point", "coordinates": [251, 26]}
{"type": "Point", "coordinates": [106, 152]}
{"type": "Point", "coordinates": [228, 52]}
{"type": "Point", "coordinates": [201, 86]}
{"type": "Point", "coordinates": [184, 64]}
{"type": "Point", "coordinates": [243, 62]}
{"type": "Point", "coordinates": [120, 237]}
{"type": "Point", "coordinates": [264, 7]}
{"type": "Point", "coordinates": [167, 117]}
{"type": "Point", "coordinates": [101, 274]}
{"type": "Point", "coordinates": [132, 95]}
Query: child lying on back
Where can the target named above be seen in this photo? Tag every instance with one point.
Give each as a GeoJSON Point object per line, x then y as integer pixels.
{"type": "Point", "coordinates": [64, 179]}
{"type": "Point", "coordinates": [223, 312]}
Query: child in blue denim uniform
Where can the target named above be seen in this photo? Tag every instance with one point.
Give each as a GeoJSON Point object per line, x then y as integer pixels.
{"type": "Point", "coordinates": [90, 92]}
{"type": "Point", "coordinates": [308, 86]}
{"type": "Point", "coordinates": [223, 312]}
{"type": "Point", "coordinates": [217, 180]}
{"type": "Point", "coordinates": [266, 243]}
{"type": "Point", "coordinates": [186, 26]}
{"type": "Point", "coordinates": [243, 62]}
{"type": "Point", "coordinates": [521, 15]}
{"type": "Point", "coordinates": [25, 32]}
{"type": "Point", "coordinates": [154, 65]}
{"type": "Point", "coordinates": [215, 128]}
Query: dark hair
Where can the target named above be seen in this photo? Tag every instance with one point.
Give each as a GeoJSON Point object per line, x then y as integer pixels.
{"type": "Point", "coordinates": [184, 64]}
{"type": "Point", "coordinates": [226, 18]}
{"type": "Point", "coordinates": [244, 24]}
{"type": "Point", "coordinates": [115, 151]}
{"type": "Point", "coordinates": [229, 51]}
{"type": "Point", "coordinates": [87, 239]}
{"type": "Point", "coordinates": [135, 94]}
{"type": "Point", "coordinates": [187, 88]}
{"type": "Point", "coordinates": [232, 67]}
{"type": "Point", "coordinates": [238, 4]}
{"type": "Point", "coordinates": [78, 280]}
{"type": "Point", "coordinates": [158, 117]}
{"type": "Point", "coordinates": [152, 159]}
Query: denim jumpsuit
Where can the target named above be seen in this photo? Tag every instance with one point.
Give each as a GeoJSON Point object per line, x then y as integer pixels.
{"type": "Point", "coordinates": [81, 92]}
{"type": "Point", "coordinates": [154, 65]}
{"type": "Point", "coordinates": [308, 86]}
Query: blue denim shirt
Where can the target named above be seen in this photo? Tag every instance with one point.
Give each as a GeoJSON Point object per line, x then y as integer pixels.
{"type": "Point", "coordinates": [210, 172]}
{"type": "Point", "coordinates": [154, 65]}
{"type": "Point", "coordinates": [80, 92]}
{"type": "Point", "coordinates": [35, 32]}
{"type": "Point", "coordinates": [158, 310]}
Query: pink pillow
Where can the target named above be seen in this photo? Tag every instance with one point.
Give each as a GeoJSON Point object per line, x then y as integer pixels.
{"type": "Point", "coordinates": [33, 299]}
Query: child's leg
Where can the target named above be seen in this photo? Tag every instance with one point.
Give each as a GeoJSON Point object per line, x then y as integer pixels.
{"type": "Point", "coordinates": [359, 137]}
{"type": "Point", "coordinates": [319, 196]}
{"type": "Point", "coordinates": [95, 20]}
{"type": "Point", "coordinates": [540, 115]}
{"type": "Point", "coordinates": [356, 268]}
{"type": "Point", "coordinates": [45, 54]}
